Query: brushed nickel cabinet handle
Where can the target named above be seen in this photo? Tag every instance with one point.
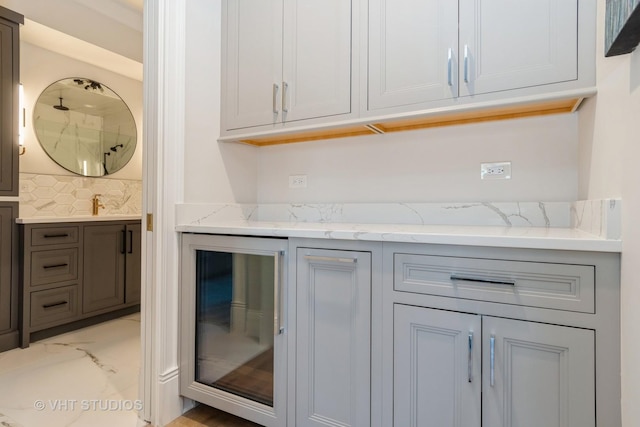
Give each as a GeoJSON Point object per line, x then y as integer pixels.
{"type": "Point", "coordinates": [492, 362]}
{"type": "Point", "coordinates": [450, 68]}
{"type": "Point", "coordinates": [330, 259]}
{"type": "Point", "coordinates": [275, 97]}
{"type": "Point", "coordinates": [285, 87]}
{"type": "Point", "coordinates": [466, 63]}
{"type": "Point", "coordinates": [277, 304]}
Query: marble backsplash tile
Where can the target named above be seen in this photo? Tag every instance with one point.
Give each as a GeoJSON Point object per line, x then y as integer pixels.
{"type": "Point", "coordinates": [527, 214]}
{"type": "Point", "coordinates": [598, 217]}
{"type": "Point", "coordinates": [63, 195]}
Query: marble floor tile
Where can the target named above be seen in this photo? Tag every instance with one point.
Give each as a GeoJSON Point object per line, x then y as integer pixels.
{"type": "Point", "coordinates": [87, 377]}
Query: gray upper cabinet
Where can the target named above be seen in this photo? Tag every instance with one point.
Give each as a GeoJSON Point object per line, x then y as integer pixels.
{"type": "Point", "coordinates": [434, 50]}
{"type": "Point", "coordinates": [285, 61]}
{"type": "Point", "coordinates": [412, 52]}
{"type": "Point", "coordinates": [9, 80]}
{"type": "Point", "coordinates": [8, 277]}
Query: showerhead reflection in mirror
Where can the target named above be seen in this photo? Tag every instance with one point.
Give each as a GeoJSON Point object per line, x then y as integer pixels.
{"type": "Point", "coordinates": [85, 127]}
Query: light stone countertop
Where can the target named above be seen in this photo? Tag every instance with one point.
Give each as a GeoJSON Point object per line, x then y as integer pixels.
{"type": "Point", "coordinates": [78, 218]}
{"type": "Point", "coordinates": [496, 236]}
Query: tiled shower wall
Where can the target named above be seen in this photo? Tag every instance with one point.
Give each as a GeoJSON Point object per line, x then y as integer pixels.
{"type": "Point", "coordinates": [63, 196]}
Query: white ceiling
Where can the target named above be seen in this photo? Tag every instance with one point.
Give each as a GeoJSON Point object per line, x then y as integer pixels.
{"type": "Point", "coordinates": [113, 25]}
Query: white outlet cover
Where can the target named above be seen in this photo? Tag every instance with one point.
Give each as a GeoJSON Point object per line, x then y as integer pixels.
{"type": "Point", "coordinates": [297, 181]}
{"type": "Point", "coordinates": [496, 170]}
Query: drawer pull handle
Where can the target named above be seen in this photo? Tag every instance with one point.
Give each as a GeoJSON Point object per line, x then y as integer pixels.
{"type": "Point", "coordinates": [456, 278]}
{"type": "Point", "coordinates": [54, 304]}
{"type": "Point", "coordinates": [492, 361]}
{"type": "Point", "coordinates": [52, 236]}
{"type": "Point", "coordinates": [55, 266]}
{"type": "Point", "coordinates": [330, 259]}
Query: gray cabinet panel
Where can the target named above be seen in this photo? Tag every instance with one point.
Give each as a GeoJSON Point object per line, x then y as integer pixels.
{"type": "Point", "coordinates": [333, 338]}
{"type": "Point", "coordinates": [543, 375]}
{"type": "Point", "coordinates": [437, 368]}
{"type": "Point", "coordinates": [104, 267]}
{"type": "Point", "coordinates": [8, 270]}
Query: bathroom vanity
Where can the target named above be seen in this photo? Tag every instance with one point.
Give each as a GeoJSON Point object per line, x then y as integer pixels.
{"type": "Point", "coordinates": [77, 271]}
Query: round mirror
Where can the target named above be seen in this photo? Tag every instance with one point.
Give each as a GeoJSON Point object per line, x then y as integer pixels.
{"type": "Point", "coordinates": [85, 127]}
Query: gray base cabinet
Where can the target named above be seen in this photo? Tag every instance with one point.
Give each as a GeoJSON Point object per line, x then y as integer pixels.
{"type": "Point", "coordinates": [8, 277]}
{"type": "Point", "coordinates": [385, 334]}
{"type": "Point", "coordinates": [73, 271]}
{"type": "Point", "coordinates": [492, 337]}
{"type": "Point", "coordinates": [333, 338]}
{"type": "Point", "coordinates": [458, 369]}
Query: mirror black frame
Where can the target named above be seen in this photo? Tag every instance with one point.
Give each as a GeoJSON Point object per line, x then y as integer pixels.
{"type": "Point", "coordinates": [85, 127]}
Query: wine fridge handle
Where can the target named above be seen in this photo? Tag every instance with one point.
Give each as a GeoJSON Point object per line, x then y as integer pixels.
{"type": "Point", "coordinates": [277, 288]}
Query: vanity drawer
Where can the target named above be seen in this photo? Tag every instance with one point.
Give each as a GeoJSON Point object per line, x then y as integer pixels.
{"type": "Point", "coordinates": [534, 284]}
{"type": "Point", "coordinates": [54, 235]}
{"type": "Point", "coordinates": [53, 266]}
{"type": "Point", "coordinates": [54, 306]}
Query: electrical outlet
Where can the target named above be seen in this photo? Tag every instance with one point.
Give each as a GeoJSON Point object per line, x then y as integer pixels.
{"type": "Point", "coordinates": [498, 170]}
{"type": "Point", "coordinates": [297, 181]}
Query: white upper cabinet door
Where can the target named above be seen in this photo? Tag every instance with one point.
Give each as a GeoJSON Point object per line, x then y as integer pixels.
{"type": "Point", "coordinates": [317, 59]}
{"type": "Point", "coordinates": [253, 63]}
{"type": "Point", "coordinates": [413, 54]}
{"type": "Point", "coordinates": [507, 44]}
{"type": "Point", "coordinates": [537, 375]}
{"type": "Point", "coordinates": [437, 369]}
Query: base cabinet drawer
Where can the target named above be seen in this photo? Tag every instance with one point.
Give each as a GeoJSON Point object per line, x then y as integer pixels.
{"type": "Point", "coordinates": [54, 235]}
{"type": "Point", "coordinates": [54, 306]}
{"type": "Point", "coordinates": [53, 266]}
{"type": "Point", "coordinates": [535, 284]}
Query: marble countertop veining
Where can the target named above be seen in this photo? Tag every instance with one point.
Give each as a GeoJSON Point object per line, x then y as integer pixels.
{"type": "Point", "coordinates": [78, 218]}
{"type": "Point", "coordinates": [496, 236]}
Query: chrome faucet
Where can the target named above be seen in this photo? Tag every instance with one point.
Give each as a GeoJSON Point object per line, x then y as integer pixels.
{"type": "Point", "coordinates": [95, 204]}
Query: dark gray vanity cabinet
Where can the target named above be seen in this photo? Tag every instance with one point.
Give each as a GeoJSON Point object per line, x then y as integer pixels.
{"type": "Point", "coordinates": [9, 114]}
{"type": "Point", "coordinates": [111, 272]}
{"type": "Point", "coordinates": [77, 273]}
{"type": "Point", "coordinates": [8, 276]}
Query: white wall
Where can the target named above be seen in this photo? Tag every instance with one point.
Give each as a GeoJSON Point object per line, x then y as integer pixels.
{"type": "Point", "coordinates": [609, 157]}
{"type": "Point", "coordinates": [434, 165]}
{"type": "Point", "coordinates": [214, 173]}
{"type": "Point", "coordinates": [440, 164]}
{"type": "Point", "coordinates": [38, 69]}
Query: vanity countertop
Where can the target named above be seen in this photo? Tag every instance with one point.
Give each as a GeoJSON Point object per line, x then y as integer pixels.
{"type": "Point", "coordinates": [79, 218]}
{"type": "Point", "coordinates": [496, 236]}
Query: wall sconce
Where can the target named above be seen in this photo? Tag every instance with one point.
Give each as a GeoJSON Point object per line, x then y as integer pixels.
{"type": "Point", "coordinates": [21, 120]}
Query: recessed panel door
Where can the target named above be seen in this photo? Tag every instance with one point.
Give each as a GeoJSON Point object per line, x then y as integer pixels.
{"type": "Point", "coordinates": [537, 375]}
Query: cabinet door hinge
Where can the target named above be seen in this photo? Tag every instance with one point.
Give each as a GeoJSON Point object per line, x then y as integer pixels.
{"type": "Point", "coordinates": [149, 222]}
